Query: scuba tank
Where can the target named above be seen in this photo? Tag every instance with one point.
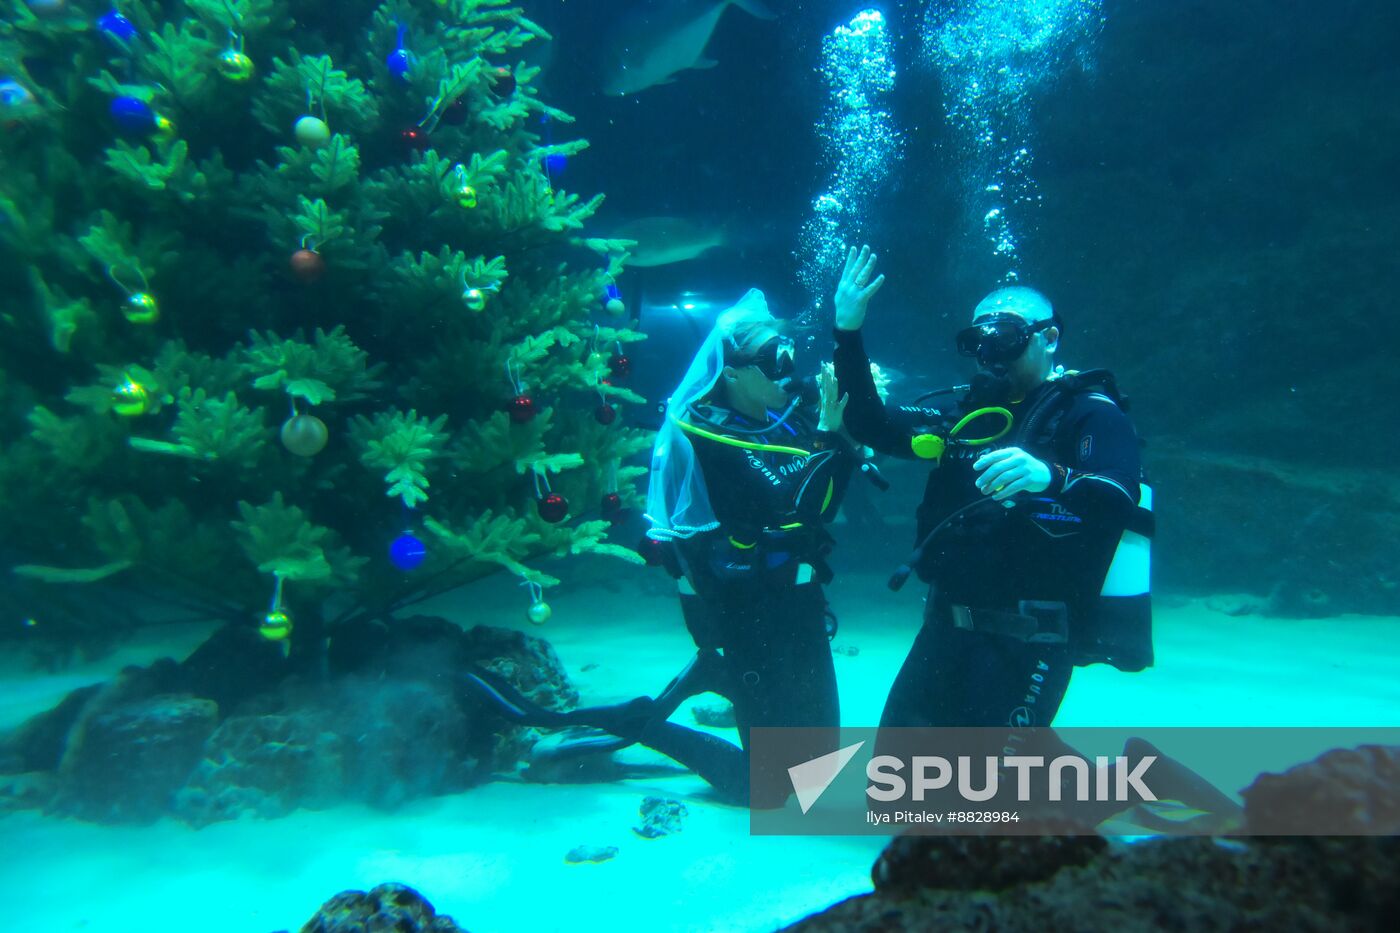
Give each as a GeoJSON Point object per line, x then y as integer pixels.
{"type": "Point", "coordinates": [1120, 631]}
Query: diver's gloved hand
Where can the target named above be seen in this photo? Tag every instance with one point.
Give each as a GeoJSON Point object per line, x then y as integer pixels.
{"type": "Point", "coordinates": [852, 291]}
{"type": "Point", "coordinates": [1011, 470]}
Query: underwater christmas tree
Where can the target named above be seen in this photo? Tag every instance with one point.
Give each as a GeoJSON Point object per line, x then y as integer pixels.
{"type": "Point", "coordinates": [296, 327]}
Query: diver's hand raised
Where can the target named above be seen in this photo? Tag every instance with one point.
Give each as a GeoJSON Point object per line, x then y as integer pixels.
{"type": "Point", "coordinates": [831, 410]}
{"type": "Point", "coordinates": [854, 290]}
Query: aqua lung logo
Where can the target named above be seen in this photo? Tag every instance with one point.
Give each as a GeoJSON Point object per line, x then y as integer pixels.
{"type": "Point", "coordinates": [795, 466]}
{"type": "Point", "coordinates": [762, 467]}
{"type": "Point", "coordinates": [1032, 694]}
{"type": "Point", "coordinates": [1086, 447]}
{"type": "Point", "coordinates": [1021, 718]}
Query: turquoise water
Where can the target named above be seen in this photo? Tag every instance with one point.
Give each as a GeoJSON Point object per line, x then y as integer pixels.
{"type": "Point", "coordinates": [337, 336]}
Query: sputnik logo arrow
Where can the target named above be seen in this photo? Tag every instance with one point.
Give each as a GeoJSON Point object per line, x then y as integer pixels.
{"type": "Point", "coordinates": [811, 778]}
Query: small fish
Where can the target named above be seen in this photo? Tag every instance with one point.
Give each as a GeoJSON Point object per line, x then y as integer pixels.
{"type": "Point", "coordinates": [399, 60]}
{"type": "Point", "coordinates": [653, 44]}
{"type": "Point", "coordinates": [662, 241]}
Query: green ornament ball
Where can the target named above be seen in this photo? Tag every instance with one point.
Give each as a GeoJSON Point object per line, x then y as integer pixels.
{"type": "Point", "coordinates": [539, 612]}
{"type": "Point", "coordinates": [235, 66]}
{"type": "Point", "coordinates": [312, 131]}
{"type": "Point", "coordinates": [305, 435]}
{"type": "Point", "coordinates": [130, 399]}
{"type": "Point", "coordinates": [142, 308]}
{"type": "Point", "coordinates": [276, 626]}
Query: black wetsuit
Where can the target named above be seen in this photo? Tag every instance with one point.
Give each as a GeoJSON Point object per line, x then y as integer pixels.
{"type": "Point", "coordinates": [752, 599]}
{"type": "Point", "coordinates": [753, 590]}
{"type": "Point", "coordinates": [992, 569]}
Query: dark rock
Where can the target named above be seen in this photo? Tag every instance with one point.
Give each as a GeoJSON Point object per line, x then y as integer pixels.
{"type": "Point", "coordinates": [529, 663]}
{"type": "Point", "coordinates": [388, 908]}
{"type": "Point", "coordinates": [391, 723]}
{"type": "Point", "coordinates": [660, 817]}
{"type": "Point", "coordinates": [590, 854]}
{"type": "Point", "coordinates": [265, 766]}
{"type": "Point", "coordinates": [1321, 883]}
{"type": "Point", "coordinates": [1345, 791]}
{"type": "Point", "coordinates": [719, 714]}
{"type": "Point", "coordinates": [989, 863]}
{"type": "Point", "coordinates": [1195, 884]}
{"type": "Point", "coordinates": [32, 791]}
{"type": "Point", "coordinates": [849, 651]}
{"type": "Point", "coordinates": [38, 743]}
{"type": "Point", "coordinates": [125, 763]}
{"type": "Point", "coordinates": [231, 666]}
{"type": "Point", "coordinates": [378, 743]}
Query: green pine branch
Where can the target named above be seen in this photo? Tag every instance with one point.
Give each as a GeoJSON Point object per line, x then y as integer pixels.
{"type": "Point", "coordinates": [78, 442]}
{"type": "Point", "coordinates": [64, 316]}
{"type": "Point", "coordinates": [283, 99]}
{"type": "Point", "coordinates": [247, 17]}
{"type": "Point", "coordinates": [330, 369]}
{"type": "Point", "coordinates": [401, 445]}
{"type": "Point", "coordinates": [503, 540]}
{"type": "Point", "coordinates": [167, 541]}
{"type": "Point", "coordinates": [280, 539]}
{"type": "Point", "coordinates": [133, 259]}
{"type": "Point", "coordinates": [181, 61]}
{"type": "Point", "coordinates": [212, 429]}
{"type": "Point", "coordinates": [568, 212]}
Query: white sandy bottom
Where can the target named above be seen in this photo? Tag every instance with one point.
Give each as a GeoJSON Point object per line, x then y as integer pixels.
{"type": "Point", "coordinates": [493, 857]}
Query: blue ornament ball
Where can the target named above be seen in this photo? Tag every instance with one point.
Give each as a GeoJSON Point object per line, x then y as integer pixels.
{"type": "Point", "coordinates": [116, 26]}
{"type": "Point", "coordinates": [133, 114]}
{"type": "Point", "coordinates": [407, 551]}
{"type": "Point", "coordinates": [555, 162]}
{"type": "Point", "coordinates": [398, 63]}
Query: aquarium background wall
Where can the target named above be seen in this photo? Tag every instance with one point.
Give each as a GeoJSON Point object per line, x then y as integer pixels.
{"type": "Point", "coordinates": [1219, 185]}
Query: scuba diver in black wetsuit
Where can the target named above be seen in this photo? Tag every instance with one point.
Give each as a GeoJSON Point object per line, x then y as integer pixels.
{"type": "Point", "coordinates": [1033, 530]}
{"type": "Point", "coordinates": [742, 483]}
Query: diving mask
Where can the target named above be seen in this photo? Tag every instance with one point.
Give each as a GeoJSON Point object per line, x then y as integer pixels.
{"type": "Point", "coordinates": [1000, 338]}
{"type": "Point", "coordinates": [775, 359]}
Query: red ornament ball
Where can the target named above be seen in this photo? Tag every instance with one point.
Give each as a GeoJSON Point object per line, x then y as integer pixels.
{"type": "Point", "coordinates": [502, 82]}
{"type": "Point", "coordinates": [553, 508]}
{"type": "Point", "coordinates": [522, 409]}
{"type": "Point", "coordinates": [651, 551]}
{"type": "Point", "coordinates": [620, 366]}
{"type": "Point", "coordinates": [414, 139]}
{"type": "Point", "coordinates": [455, 113]}
{"type": "Point", "coordinates": [605, 413]}
{"type": "Point", "coordinates": [611, 507]}
{"type": "Point", "coordinates": [308, 265]}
